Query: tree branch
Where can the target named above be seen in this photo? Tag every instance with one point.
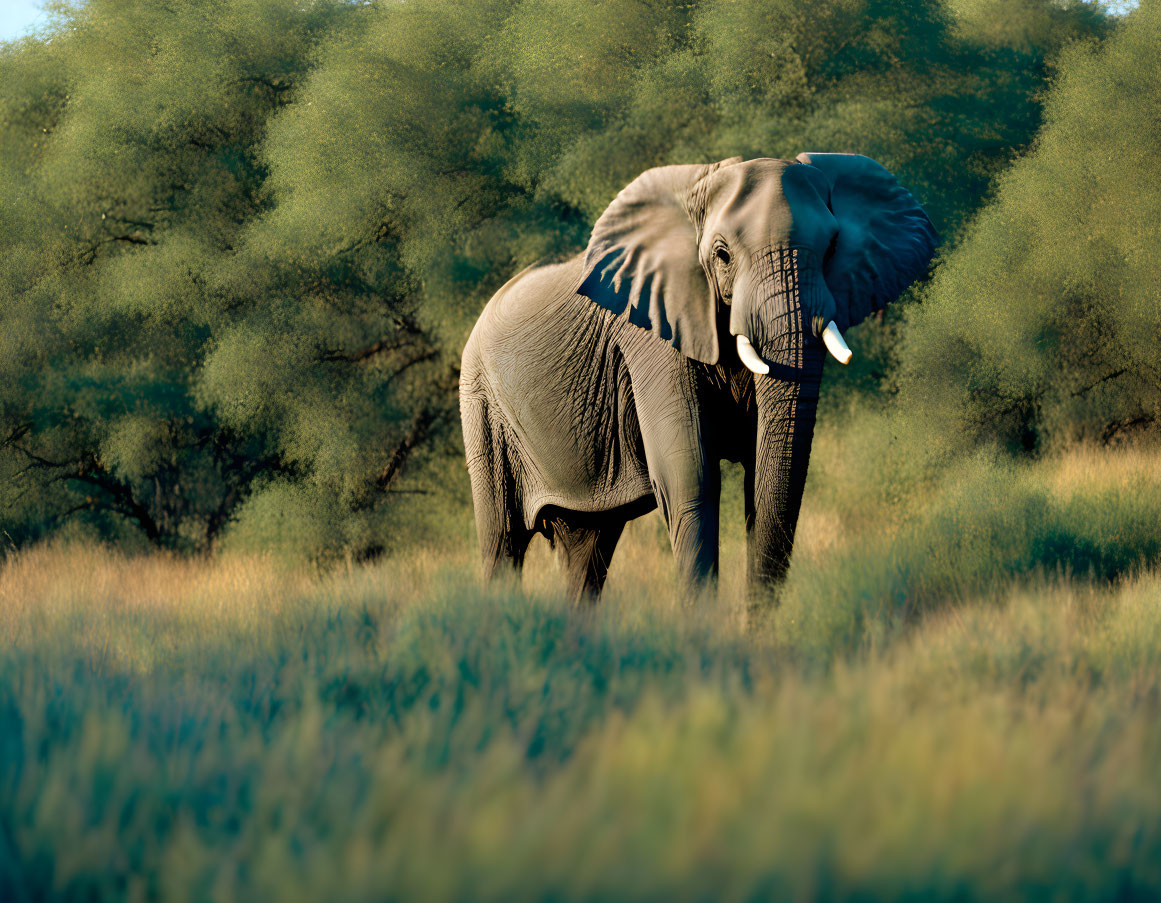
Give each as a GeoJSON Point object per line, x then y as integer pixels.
{"type": "Point", "coordinates": [121, 493]}
{"type": "Point", "coordinates": [1118, 427]}
{"type": "Point", "coordinates": [17, 433]}
{"type": "Point", "coordinates": [420, 359]}
{"type": "Point", "coordinates": [124, 502]}
{"type": "Point", "coordinates": [353, 357]}
{"type": "Point", "coordinates": [421, 428]}
{"type": "Point", "coordinates": [90, 254]}
{"type": "Point", "coordinates": [1103, 379]}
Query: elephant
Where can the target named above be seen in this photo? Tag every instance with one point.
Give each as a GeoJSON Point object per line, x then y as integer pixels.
{"type": "Point", "coordinates": [597, 389]}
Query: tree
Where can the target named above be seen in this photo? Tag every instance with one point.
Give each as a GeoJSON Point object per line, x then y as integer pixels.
{"type": "Point", "coordinates": [1041, 327]}
{"type": "Point", "coordinates": [242, 243]}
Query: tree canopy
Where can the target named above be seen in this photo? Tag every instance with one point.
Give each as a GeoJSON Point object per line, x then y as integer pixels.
{"type": "Point", "coordinates": [1041, 328]}
{"type": "Point", "coordinates": [241, 243]}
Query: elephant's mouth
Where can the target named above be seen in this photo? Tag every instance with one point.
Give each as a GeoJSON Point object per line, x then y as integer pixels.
{"type": "Point", "coordinates": [831, 338]}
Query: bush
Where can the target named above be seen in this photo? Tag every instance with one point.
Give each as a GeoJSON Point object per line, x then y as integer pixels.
{"type": "Point", "coordinates": [1040, 328]}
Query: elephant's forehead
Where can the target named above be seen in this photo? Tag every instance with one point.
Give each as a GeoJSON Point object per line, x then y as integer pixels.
{"type": "Point", "coordinates": [771, 202]}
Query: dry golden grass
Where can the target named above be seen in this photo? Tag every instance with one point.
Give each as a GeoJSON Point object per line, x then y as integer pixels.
{"type": "Point", "coordinates": [232, 728]}
{"type": "Point", "coordinates": [1087, 467]}
{"type": "Point", "coordinates": [933, 711]}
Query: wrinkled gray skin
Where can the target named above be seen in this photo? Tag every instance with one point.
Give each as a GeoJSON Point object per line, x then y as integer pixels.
{"type": "Point", "coordinates": [597, 389]}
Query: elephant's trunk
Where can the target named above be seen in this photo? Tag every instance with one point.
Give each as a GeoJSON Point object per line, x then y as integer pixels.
{"type": "Point", "coordinates": [786, 415]}
{"type": "Point", "coordinates": [787, 402]}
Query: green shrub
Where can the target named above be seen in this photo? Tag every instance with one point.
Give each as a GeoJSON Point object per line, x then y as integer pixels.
{"type": "Point", "coordinates": [1040, 328]}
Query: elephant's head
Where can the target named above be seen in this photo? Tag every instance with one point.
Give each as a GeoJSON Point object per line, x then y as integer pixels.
{"type": "Point", "coordinates": [783, 255]}
{"type": "Point", "coordinates": [797, 252]}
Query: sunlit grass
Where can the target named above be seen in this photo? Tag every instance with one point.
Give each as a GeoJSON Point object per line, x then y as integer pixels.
{"type": "Point", "coordinates": [235, 729]}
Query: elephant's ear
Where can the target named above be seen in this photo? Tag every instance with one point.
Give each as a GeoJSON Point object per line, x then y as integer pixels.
{"type": "Point", "coordinates": [642, 260]}
{"type": "Point", "coordinates": [884, 242]}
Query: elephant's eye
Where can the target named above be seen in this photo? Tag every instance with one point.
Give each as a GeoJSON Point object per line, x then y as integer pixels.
{"type": "Point", "coordinates": [723, 255]}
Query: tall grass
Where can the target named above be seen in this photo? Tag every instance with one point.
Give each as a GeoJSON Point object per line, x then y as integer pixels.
{"type": "Point", "coordinates": [960, 702]}
{"type": "Point", "coordinates": [960, 538]}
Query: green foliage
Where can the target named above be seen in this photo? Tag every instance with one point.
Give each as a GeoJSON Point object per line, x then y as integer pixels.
{"type": "Point", "coordinates": [165, 360]}
{"type": "Point", "coordinates": [1026, 25]}
{"type": "Point", "coordinates": [243, 242]}
{"type": "Point", "coordinates": [1041, 327]}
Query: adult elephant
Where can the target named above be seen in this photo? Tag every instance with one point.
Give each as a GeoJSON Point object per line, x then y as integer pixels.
{"type": "Point", "coordinates": [596, 389]}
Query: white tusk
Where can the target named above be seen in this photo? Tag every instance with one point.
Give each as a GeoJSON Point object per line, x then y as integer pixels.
{"type": "Point", "coordinates": [750, 357]}
{"type": "Point", "coordinates": [833, 339]}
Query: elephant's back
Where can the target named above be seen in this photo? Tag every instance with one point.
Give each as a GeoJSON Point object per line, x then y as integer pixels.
{"type": "Point", "coordinates": [520, 334]}
{"type": "Point", "coordinates": [531, 296]}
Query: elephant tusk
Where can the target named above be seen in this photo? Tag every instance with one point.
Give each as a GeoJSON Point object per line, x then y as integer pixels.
{"type": "Point", "coordinates": [833, 339]}
{"type": "Point", "coordinates": [750, 357]}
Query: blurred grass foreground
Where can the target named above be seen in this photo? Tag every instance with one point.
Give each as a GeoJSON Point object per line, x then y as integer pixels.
{"type": "Point", "coordinates": [235, 729]}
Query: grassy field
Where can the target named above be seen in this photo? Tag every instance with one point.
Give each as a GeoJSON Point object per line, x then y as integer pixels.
{"type": "Point", "coordinates": [957, 702]}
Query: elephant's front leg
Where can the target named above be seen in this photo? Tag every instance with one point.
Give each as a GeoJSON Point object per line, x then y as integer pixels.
{"type": "Point", "coordinates": [777, 475]}
{"type": "Point", "coordinates": [684, 471]}
{"type": "Point", "coordinates": [688, 496]}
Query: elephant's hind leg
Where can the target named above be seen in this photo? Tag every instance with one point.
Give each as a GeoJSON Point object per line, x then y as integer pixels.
{"type": "Point", "coordinates": [502, 544]}
{"type": "Point", "coordinates": [499, 518]}
{"type": "Point", "coordinates": [586, 551]}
